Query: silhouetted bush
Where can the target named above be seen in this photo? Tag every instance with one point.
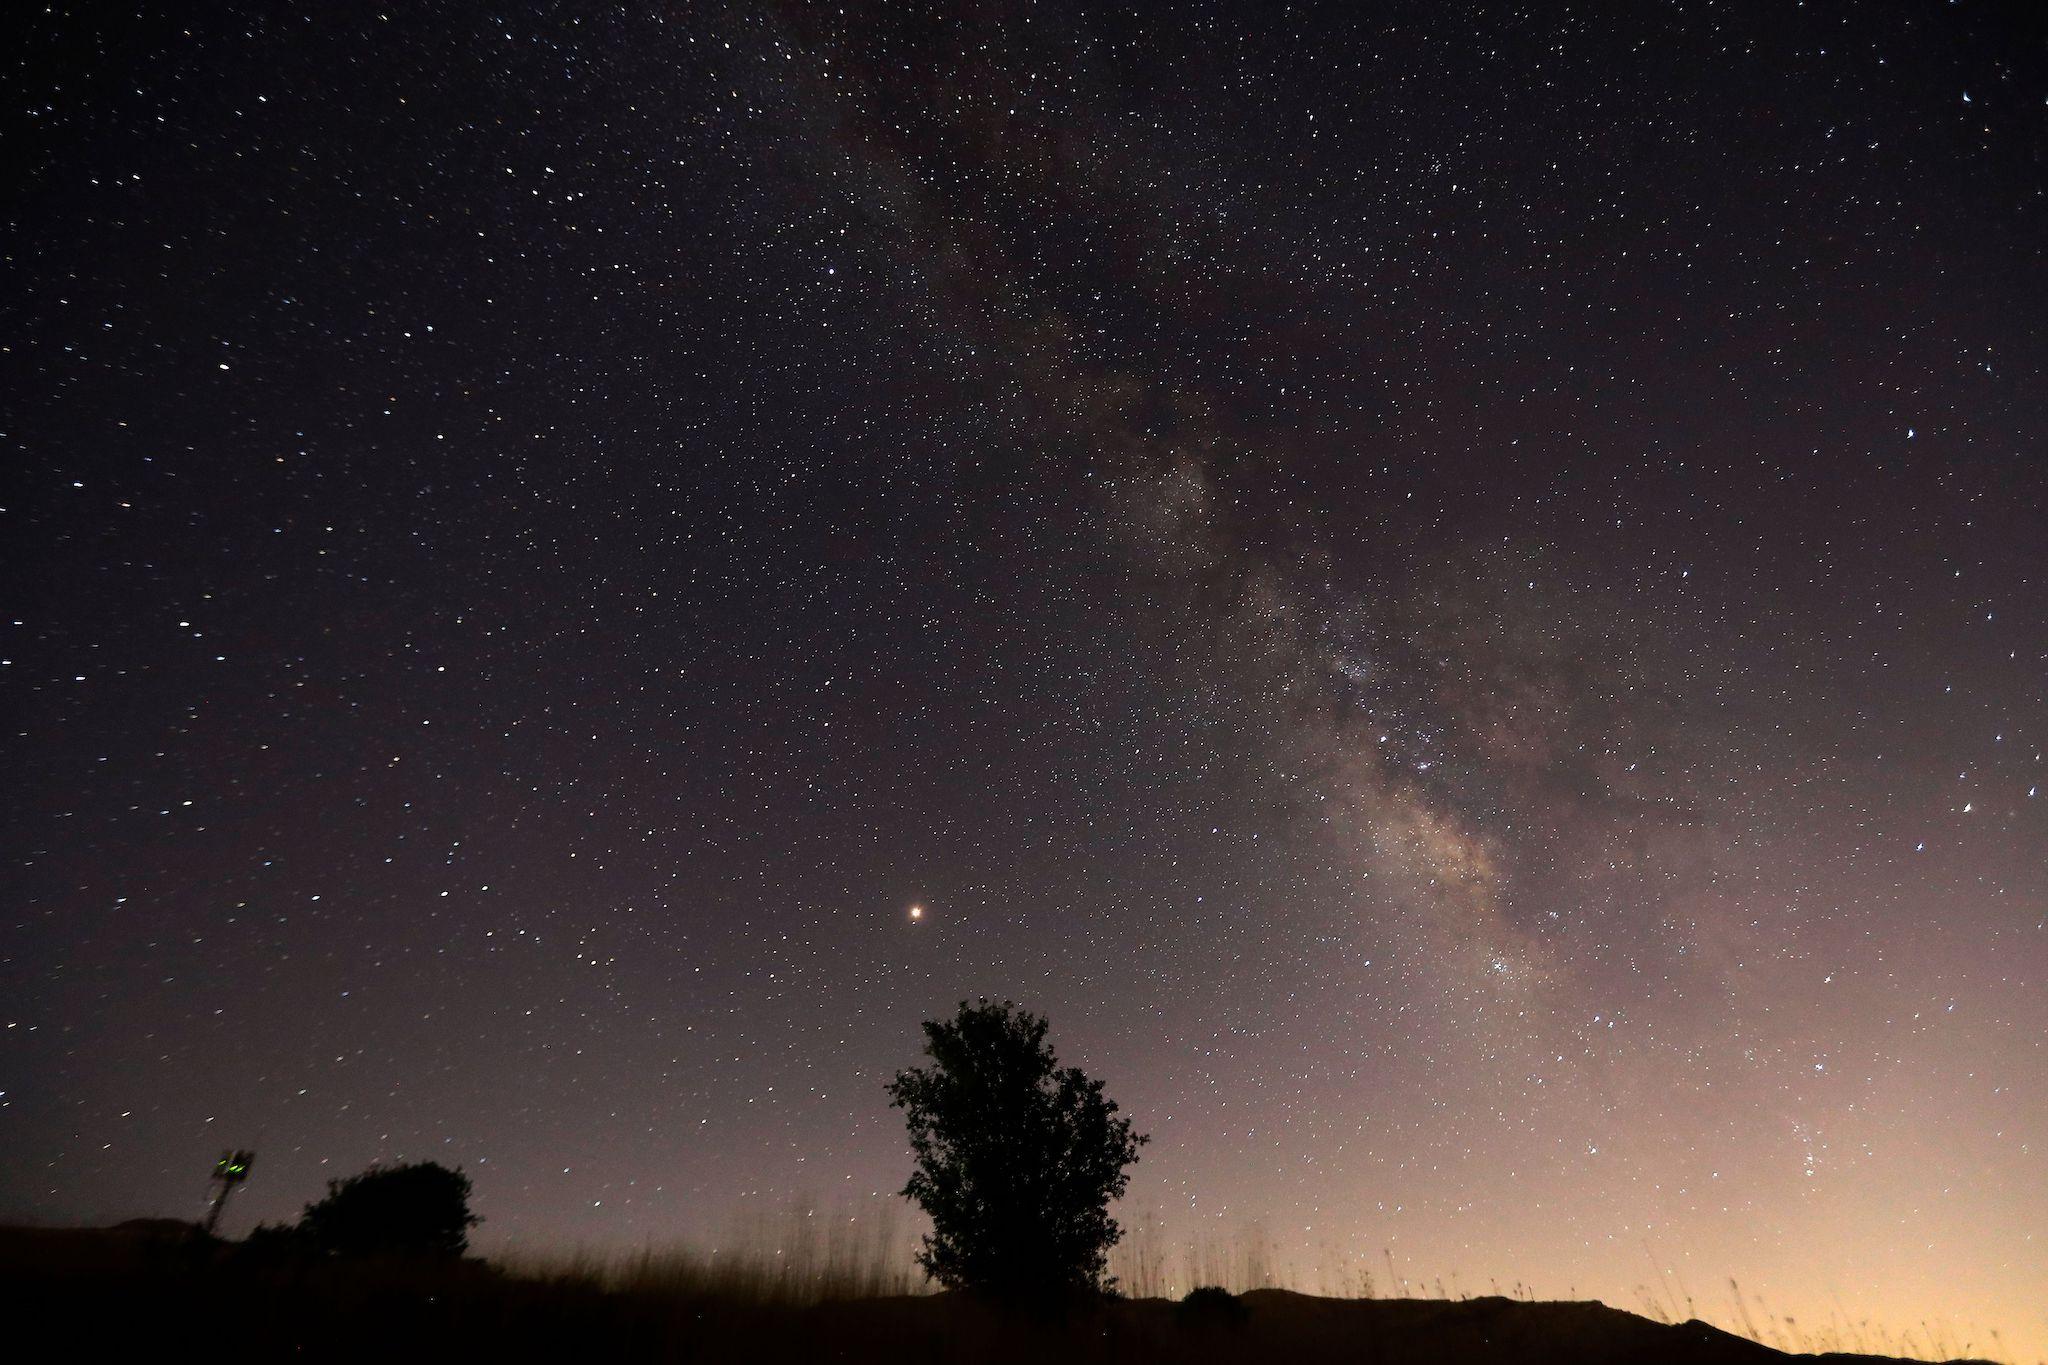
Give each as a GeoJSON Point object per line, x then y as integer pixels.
{"type": "Point", "coordinates": [1212, 1305]}
{"type": "Point", "coordinates": [420, 1209]}
{"type": "Point", "coordinates": [1017, 1158]}
{"type": "Point", "coordinates": [272, 1244]}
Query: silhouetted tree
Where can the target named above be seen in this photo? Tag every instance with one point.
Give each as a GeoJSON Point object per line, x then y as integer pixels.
{"type": "Point", "coordinates": [420, 1209]}
{"type": "Point", "coordinates": [1017, 1158]}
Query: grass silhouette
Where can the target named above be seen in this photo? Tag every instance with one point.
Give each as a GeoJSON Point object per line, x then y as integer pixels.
{"type": "Point", "coordinates": [808, 1287]}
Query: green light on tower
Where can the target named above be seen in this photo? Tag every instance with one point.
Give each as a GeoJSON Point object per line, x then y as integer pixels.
{"type": "Point", "coordinates": [231, 1170]}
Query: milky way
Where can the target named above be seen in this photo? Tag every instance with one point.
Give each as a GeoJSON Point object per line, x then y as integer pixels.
{"type": "Point", "coordinates": [1457, 597]}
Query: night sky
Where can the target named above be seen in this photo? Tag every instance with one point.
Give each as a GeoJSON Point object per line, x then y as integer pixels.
{"type": "Point", "coordinates": [1459, 594]}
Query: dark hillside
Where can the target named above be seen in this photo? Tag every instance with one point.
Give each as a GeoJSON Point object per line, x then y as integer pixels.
{"type": "Point", "coordinates": [148, 1290]}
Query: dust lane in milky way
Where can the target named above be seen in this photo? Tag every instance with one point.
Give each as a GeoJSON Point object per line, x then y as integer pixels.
{"type": "Point", "coordinates": [1458, 599]}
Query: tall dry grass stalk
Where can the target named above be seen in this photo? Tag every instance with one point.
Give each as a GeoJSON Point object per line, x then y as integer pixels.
{"type": "Point", "coordinates": [805, 1256]}
{"type": "Point", "coordinates": [809, 1255]}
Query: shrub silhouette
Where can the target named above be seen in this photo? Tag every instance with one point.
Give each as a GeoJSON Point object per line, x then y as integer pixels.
{"type": "Point", "coordinates": [1212, 1305]}
{"type": "Point", "coordinates": [420, 1209]}
{"type": "Point", "coordinates": [272, 1245]}
{"type": "Point", "coordinates": [1017, 1158]}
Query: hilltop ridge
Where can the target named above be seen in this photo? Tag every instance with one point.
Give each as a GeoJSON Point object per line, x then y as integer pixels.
{"type": "Point", "coordinates": [146, 1285]}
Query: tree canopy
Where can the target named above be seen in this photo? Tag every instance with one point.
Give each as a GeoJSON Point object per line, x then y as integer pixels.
{"type": "Point", "coordinates": [419, 1209]}
{"type": "Point", "coordinates": [1017, 1157]}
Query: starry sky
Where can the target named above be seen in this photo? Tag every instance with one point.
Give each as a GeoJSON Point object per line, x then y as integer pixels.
{"type": "Point", "coordinates": [1459, 594]}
